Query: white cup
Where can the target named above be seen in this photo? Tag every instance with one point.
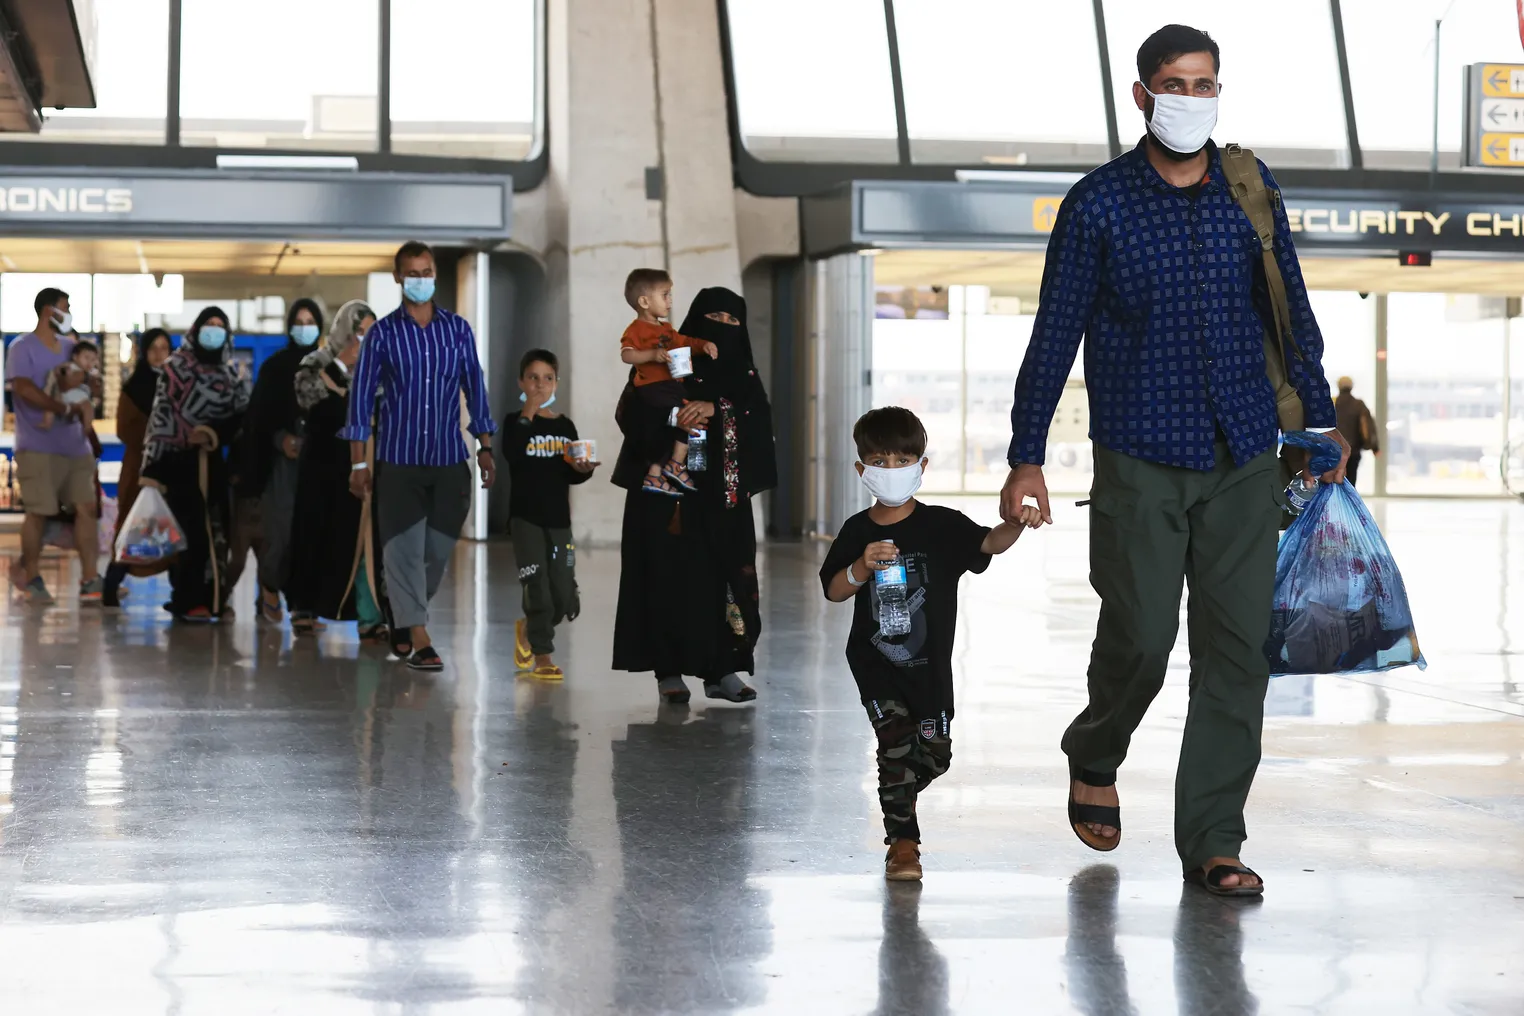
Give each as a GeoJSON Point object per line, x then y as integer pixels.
{"type": "Point", "coordinates": [682, 361]}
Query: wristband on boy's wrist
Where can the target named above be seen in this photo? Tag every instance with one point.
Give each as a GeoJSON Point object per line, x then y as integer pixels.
{"type": "Point", "coordinates": [359, 466]}
{"type": "Point", "coordinates": [853, 579]}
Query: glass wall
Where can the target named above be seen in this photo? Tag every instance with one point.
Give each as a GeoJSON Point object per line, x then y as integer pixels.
{"type": "Point", "coordinates": [821, 94]}
{"type": "Point", "coordinates": [952, 353]}
{"type": "Point", "coordinates": [1255, 48]}
{"type": "Point", "coordinates": [131, 79]}
{"type": "Point", "coordinates": [280, 74]}
{"type": "Point", "coordinates": [1013, 83]}
{"type": "Point", "coordinates": [1394, 111]}
{"type": "Point", "coordinates": [304, 75]}
{"type": "Point", "coordinates": [486, 107]}
{"type": "Point", "coordinates": [1445, 430]}
{"type": "Point", "coordinates": [968, 101]}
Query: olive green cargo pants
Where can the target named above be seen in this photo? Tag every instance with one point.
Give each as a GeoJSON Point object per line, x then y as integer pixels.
{"type": "Point", "coordinates": [1152, 529]}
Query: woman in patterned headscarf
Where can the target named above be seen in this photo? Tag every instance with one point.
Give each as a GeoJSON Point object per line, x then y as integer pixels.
{"type": "Point", "coordinates": [197, 409]}
{"type": "Point", "coordinates": [335, 564]}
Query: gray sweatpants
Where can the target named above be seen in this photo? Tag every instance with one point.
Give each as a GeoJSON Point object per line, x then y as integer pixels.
{"type": "Point", "coordinates": [420, 511]}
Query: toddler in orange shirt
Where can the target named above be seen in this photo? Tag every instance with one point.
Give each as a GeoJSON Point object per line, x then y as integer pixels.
{"type": "Point", "coordinates": [647, 344]}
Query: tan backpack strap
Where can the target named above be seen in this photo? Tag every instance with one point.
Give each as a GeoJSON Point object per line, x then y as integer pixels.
{"type": "Point", "coordinates": [1248, 189]}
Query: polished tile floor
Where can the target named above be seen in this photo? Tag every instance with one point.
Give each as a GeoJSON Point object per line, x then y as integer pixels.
{"type": "Point", "coordinates": [226, 821]}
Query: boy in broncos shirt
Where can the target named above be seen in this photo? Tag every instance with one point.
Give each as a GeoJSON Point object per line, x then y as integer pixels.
{"type": "Point", "coordinates": [906, 681]}
{"type": "Point", "coordinates": [537, 444]}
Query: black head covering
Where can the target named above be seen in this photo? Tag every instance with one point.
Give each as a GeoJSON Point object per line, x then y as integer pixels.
{"type": "Point", "coordinates": [733, 377]}
{"type": "Point", "coordinates": [733, 341]}
{"type": "Point", "coordinates": [317, 315]}
{"type": "Point", "coordinates": [209, 355]}
{"type": "Point", "coordinates": [144, 380]}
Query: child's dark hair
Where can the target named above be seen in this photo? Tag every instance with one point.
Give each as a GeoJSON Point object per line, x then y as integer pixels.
{"type": "Point", "coordinates": [641, 282]}
{"type": "Point", "coordinates": [540, 356]}
{"type": "Point", "coordinates": [892, 430]}
{"type": "Point", "coordinates": [84, 346]}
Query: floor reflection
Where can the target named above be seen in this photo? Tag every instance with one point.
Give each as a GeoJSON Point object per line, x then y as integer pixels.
{"type": "Point", "coordinates": [688, 927]}
{"type": "Point", "coordinates": [232, 820]}
{"type": "Point", "coordinates": [1096, 971]}
{"type": "Point", "coordinates": [912, 973]}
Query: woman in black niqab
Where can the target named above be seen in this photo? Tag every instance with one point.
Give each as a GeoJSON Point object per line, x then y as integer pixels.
{"type": "Point", "coordinates": [688, 592]}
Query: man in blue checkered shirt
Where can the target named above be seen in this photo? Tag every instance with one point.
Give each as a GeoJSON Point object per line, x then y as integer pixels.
{"type": "Point", "coordinates": [1156, 266]}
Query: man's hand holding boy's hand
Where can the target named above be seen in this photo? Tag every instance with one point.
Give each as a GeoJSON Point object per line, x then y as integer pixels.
{"type": "Point", "coordinates": [1030, 517]}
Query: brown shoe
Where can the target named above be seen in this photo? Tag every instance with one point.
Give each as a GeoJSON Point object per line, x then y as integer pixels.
{"type": "Point", "coordinates": [903, 862]}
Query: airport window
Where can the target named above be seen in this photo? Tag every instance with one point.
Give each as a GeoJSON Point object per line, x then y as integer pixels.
{"type": "Point", "coordinates": [1281, 90]}
{"type": "Point", "coordinates": [284, 74]}
{"type": "Point", "coordinates": [485, 106]}
{"type": "Point", "coordinates": [1002, 83]}
{"type": "Point", "coordinates": [1391, 62]}
{"type": "Point", "coordinates": [131, 50]}
{"type": "Point", "coordinates": [819, 95]}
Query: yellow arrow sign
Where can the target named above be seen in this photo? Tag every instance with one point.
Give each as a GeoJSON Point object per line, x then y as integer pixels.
{"type": "Point", "coordinates": [1502, 149]}
{"type": "Point", "coordinates": [1504, 81]}
{"type": "Point", "coordinates": [1045, 213]}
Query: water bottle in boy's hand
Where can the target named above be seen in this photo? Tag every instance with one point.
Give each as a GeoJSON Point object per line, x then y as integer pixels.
{"type": "Point", "coordinates": [698, 451]}
{"type": "Point", "coordinates": [893, 610]}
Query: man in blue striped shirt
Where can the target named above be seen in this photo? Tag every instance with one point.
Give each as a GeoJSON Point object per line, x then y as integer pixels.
{"type": "Point", "coordinates": [422, 358]}
{"type": "Point", "coordinates": [1154, 264]}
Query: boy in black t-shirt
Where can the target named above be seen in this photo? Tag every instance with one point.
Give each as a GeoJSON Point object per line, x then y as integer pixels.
{"type": "Point", "coordinates": [542, 468]}
{"type": "Point", "coordinates": [906, 680]}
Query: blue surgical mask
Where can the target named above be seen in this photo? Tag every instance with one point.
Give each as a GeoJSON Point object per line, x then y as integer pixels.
{"type": "Point", "coordinates": [212, 337]}
{"type": "Point", "coordinates": [524, 397]}
{"type": "Point", "coordinates": [304, 335]}
{"type": "Point", "coordinates": [418, 289]}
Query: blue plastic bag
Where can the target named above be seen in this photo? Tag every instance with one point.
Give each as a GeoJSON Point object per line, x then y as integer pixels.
{"type": "Point", "coordinates": [1340, 606]}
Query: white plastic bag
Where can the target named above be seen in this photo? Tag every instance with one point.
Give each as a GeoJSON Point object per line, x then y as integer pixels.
{"type": "Point", "coordinates": [151, 533]}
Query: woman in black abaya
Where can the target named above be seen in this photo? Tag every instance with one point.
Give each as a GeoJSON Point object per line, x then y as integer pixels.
{"type": "Point", "coordinates": [688, 593]}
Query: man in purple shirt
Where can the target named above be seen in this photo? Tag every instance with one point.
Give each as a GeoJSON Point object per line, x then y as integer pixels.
{"type": "Point", "coordinates": [422, 359]}
{"type": "Point", "coordinates": [54, 464]}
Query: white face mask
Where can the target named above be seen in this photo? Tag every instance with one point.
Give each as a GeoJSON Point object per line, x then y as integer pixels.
{"type": "Point", "coordinates": [63, 322]}
{"type": "Point", "coordinates": [1182, 123]}
{"type": "Point", "coordinates": [892, 487]}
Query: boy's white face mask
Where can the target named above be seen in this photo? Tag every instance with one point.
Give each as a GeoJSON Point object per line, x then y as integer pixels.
{"type": "Point", "coordinates": [892, 487]}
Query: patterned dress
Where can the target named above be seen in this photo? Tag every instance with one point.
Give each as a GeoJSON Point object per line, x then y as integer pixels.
{"type": "Point", "coordinates": [196, 392]}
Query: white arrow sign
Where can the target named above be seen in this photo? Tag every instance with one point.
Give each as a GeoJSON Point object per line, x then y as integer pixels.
{"type": "Point", "coordinates": [1502, 115]}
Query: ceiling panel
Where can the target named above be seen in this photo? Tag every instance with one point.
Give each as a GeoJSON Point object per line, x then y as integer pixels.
{"type": "Point", "coordinates": [189, 257]}
{"type": "Point", "coordinates": [1022, 271]}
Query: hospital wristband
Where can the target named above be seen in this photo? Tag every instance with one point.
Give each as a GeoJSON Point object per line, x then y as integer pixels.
{"type": "Point", "coordinates": [359, 466]}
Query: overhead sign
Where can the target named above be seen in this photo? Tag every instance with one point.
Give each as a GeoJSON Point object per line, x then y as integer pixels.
{"type": "Point", "coordinates": [1019, 215]}
{"type": "Point", "coordinates": [233, 205]}
{"type": "Point", "coordinates": [1495, 115]}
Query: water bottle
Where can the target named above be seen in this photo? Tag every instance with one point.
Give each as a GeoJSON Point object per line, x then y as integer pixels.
{"type": "Point", "coordinates": [1299, 493]}
{"type": "Point", "coordinates": [698, 451]}
{"type": "Point", "coordinates": [893, 611]}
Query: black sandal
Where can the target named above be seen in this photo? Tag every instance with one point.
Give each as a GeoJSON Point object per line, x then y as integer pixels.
{"type": "Point", "coordinates": [425, 659]}
{"type": "Point", "coordinates": [1211, 880]}
{"type": "Point", "coordinates": [402, 643]}
{"type": "Point", "coordinates": [375, 633]}
{"type": "Point", "coordinates": [1098, 814]}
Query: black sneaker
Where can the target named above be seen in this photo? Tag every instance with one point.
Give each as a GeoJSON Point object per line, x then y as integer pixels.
{"type": "Point", "coordinates": [425, 659]}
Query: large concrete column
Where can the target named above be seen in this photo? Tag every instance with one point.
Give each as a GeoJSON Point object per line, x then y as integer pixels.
{"type": "Point", "coordinates": [633, 85]}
